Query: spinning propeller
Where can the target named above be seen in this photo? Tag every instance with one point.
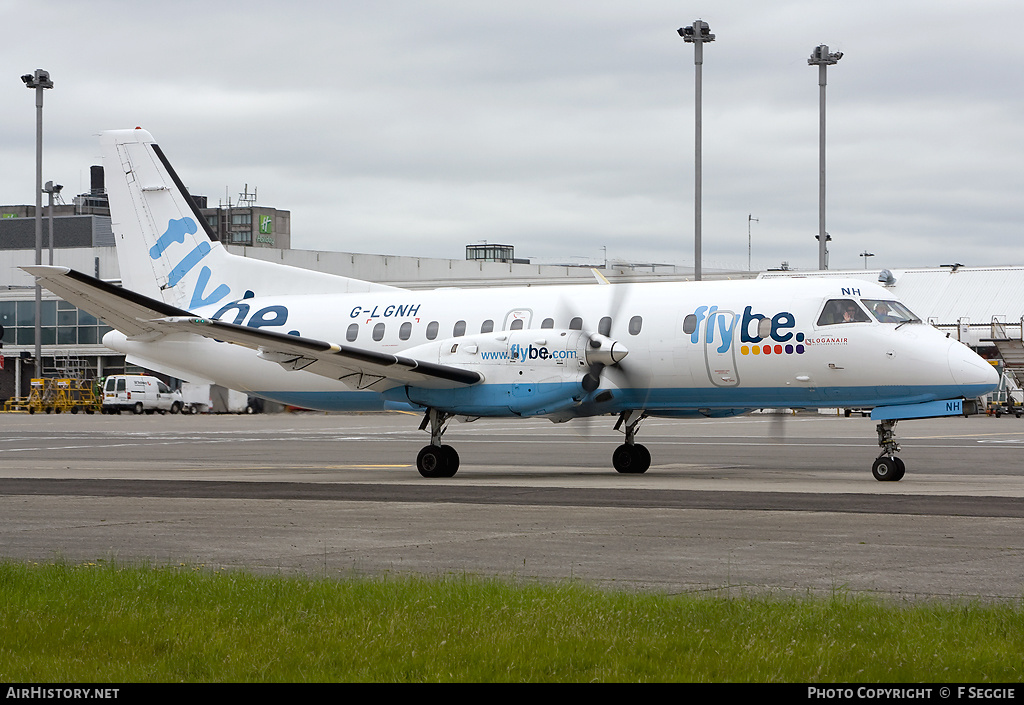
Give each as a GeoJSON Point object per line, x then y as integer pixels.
{"type": "Point", "coordinates": [602, 351]}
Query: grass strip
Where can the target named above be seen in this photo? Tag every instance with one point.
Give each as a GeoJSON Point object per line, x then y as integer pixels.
{"type": "Point", "coordinates": [97, 622]}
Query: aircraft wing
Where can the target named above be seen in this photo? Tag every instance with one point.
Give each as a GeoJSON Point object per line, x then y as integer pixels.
{"type": "Point", "coordinates": [140, 317]}
{"type": "Point", "coordinates": [356, 366]}
{"type": "Point", "coordinates": [128, 312]}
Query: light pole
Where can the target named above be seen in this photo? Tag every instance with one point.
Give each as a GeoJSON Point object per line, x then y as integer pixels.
{"type": "Point", "coordinates": [697, 34]}
{"type": "Point", "coordinates": [821, 58]}
{"type": "Point", "coordinates": [53, 190]}
{"type": "Point", "coordinates": [865, 254]}
{"type": "Point", "coordinates": [39, 81]}
{"type": "Point", "coordinates": [750, 217]}
{"type": "Point", "coordinates": [828, 239]}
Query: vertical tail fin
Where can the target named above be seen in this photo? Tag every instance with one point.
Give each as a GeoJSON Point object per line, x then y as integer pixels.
{"type": "Point", "coordinates": [162, 239]}
{"type": "Point", "coordinates": [165, 247]}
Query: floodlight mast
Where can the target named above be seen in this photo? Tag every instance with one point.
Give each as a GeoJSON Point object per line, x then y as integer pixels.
{"type": "Point", "coordinates": [697, 34]}
{"type": "Point", "coordinates": [750, 217]}
{"type": "Point", "coordinates": [821, 58]}
{"type": "Point", "coordinates": [53, 190]}
{"type": "Point", "coordinates": [39, 81]}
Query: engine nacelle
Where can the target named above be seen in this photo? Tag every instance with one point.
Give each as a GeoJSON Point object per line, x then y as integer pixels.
{"type": "Point", "coordinates": [529, 372]}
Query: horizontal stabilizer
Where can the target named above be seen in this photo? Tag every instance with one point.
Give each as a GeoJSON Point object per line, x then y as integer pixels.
{"type": "Point", "coordinates": [122, 309]}
{"type": "Point", "coordinates": [142, 318]}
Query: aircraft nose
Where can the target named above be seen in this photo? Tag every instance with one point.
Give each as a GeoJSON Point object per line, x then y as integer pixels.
{"type": "Point", "coordinates": [973, 374]}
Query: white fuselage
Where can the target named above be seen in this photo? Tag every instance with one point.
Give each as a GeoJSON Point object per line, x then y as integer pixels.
{"type": "Point", "coordinates": [747, 344]}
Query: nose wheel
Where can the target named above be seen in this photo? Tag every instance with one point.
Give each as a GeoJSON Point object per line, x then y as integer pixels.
{"type": "Point", "coordinates": [887, 467]}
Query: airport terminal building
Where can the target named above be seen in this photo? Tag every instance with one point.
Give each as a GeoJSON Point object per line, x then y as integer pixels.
{"type": "Point", "coordinates": [980, 306]}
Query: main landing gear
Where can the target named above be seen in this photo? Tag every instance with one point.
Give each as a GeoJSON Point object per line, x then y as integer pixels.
{"type": "Point", "coordinates": [436, 460]}
{"type": "Point", "coordinates": [631, 457]}
{"type": "Point", "coordinates": [439, 460]}
{"type": "Point", "coordinates": [887, 467]}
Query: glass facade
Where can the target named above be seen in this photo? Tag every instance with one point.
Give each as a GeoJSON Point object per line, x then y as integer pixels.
{"type": "Point", "coordinates": [490, 253]}
{"type": "Point", "coordinates": [62, 324]}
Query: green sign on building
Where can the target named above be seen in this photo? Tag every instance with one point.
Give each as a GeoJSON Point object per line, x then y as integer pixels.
{"type": "Point", "coordinates": [266, 224]}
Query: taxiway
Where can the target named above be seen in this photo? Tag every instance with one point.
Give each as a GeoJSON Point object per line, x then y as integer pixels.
{"type": "Point", "coordinates": [754, 504]}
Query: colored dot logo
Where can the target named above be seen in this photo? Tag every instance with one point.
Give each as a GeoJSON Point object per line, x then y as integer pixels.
{"type": "Point", "coordinates": [775, 349]}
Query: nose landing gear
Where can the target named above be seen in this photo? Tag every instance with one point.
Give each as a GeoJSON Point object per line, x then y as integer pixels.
{"type": "Point", "coordinates": [887, 467]}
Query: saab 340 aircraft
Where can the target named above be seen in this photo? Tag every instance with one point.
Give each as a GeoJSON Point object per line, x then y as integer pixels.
{"type": "Point", "coordinates": [192, 310]}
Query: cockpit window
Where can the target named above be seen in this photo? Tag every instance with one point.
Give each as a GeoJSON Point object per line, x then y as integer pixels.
{"type": "Point", "coordinates": [890, 311]}
{"type": "Point", "coordinates": [839, 311]}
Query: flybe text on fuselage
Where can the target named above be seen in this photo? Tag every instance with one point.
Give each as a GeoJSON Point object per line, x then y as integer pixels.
{"type": "Point", "coordinates": [709, 325]}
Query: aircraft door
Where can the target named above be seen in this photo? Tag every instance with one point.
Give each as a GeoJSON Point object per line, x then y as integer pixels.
{"type": "Point", "coordinates": [720, 349]}
{"type": "Point", "coordinates": [518, 319]}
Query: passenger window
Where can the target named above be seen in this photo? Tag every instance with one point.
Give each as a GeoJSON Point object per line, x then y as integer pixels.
{"type": "Point", "coordinates": [487, 326]}
{"type": "Point", "coordinates": [459, 330]}
{"type": "Point", "coordinates": [432, 330]}
{"type": "Point", "coordinates": [405, 331]}
{"type": "Point", "coordinates": [162, 388]}
{"type": "Point", "coordinates": [378, 331]}
{"type": "Point", "coordinates": [690, 323]}
{"type": "Point", "coordinates": [764, 328]}
{"type": "Point", "coordinates": [548, 323]}
{"type": "Point", "coordinates": [352, 333]}
{"type": "Point", "coordinates": [839, 311]}
{"type": "Point", "coordinates": [604, 327]}
{"type": "Point", "coordinates": [576, 323]}
{"type": "Point", "coordinates": [635, 324]}
{"type": "Point", "coordinates": [516, 324]}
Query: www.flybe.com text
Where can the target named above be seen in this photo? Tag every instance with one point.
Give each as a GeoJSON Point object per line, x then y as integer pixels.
{"type": "Point", "coordinates": [518, 353]}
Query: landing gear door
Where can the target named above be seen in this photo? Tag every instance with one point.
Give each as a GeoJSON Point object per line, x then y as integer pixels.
{"type": "Point", "coordinates": [720, 349]}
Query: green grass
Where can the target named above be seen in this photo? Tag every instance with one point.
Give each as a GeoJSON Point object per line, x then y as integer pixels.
{"type": "Point", "coordinates": [109, 623]}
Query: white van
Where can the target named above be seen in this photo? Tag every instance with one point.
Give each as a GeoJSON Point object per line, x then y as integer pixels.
{"type": "Point", "coordinates": [139, 393]}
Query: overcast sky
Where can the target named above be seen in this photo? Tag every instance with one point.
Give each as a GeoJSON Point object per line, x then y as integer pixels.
{"type": "Point", "coordinates": [415, 127]}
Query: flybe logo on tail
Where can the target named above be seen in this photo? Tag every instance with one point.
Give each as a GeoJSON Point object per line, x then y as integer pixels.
{"type": "Point", "coordinates": [176, 231]}
{"type": "Point", "coordinates": [760, 334]}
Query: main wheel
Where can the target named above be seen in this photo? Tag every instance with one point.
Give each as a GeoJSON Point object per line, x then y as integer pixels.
{"type": "Point", "coordinates": [901, 470]}
{"type": "Point", "coordinates": [437, 461]}
{"type": "Point", "coordinates": [631, 459]}
{"type": "Point", "coordinates": [453, 460]}
{"type": "Point", "coordinates": [643, 457]}
{"type": "Point", "coordinates": [886, 469]}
